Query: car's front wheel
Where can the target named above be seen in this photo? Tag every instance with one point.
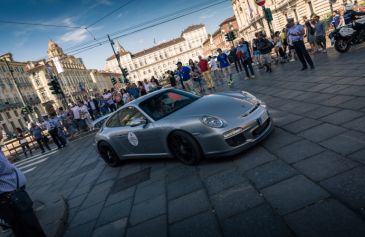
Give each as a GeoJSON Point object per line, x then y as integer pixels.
{"type": "Point", "coordinates": [108, 154]}
{"type": "Point", "coordinates": [185, 148]}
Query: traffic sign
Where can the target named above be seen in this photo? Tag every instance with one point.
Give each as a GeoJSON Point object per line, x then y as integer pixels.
{"type": "Point", "coordinates": [260, 2]}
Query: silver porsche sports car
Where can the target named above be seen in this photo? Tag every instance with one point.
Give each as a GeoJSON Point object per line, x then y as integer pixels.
{"type": "Point", "coordinates": [175, 123]}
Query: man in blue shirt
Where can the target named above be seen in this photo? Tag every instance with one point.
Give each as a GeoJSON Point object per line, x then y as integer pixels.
{"type": "Point", "coordinates": [224, 64]}
{"type": "Point", "coordinates": [23, 223]}
{"type": "Point", "coordinates": [295, 36]}
{"type": "Point", "coordinates": [243, 50]}
{"type": "Point", "coordinates": [185, 78]}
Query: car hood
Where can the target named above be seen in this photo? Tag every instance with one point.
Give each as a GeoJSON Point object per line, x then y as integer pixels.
{"type": "Point", "coordinates": [221, 105]}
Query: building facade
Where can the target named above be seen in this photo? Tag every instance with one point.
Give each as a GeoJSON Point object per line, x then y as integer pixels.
{"type": "Point", "coordinates": [102, 79]}
{"type": "Point", "coordinates": [160, 58]}
{"type": "Point", "coordinates": [217, 39]}
{"type": "Point", "coordinates": [10, 100]}
{"type": "Point", "coordinates": [75, 79]}
{"type": "Point", "coordinates": [251, 18]}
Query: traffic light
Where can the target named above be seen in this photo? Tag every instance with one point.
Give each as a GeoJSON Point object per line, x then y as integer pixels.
{"type": "Point", "coordinates": [55, 87]}
{"type": "Point", "coordinates": [230, 36]}
{"type": "Point", "coordinates": [125, 72]}
{"type": "Point", "coordinates": [268, 14]}
{"type": "Point", "coordinates": [113, 81]}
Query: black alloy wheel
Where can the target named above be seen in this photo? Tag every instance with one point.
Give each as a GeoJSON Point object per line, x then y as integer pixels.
{"type": "Point", "coordinates": [185, 148]}
{"type": "Point", "coordinates": [108, 154]}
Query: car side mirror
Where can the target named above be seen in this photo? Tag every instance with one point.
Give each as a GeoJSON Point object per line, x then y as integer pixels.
{"type": "Point", "coordinates": [137, 122]}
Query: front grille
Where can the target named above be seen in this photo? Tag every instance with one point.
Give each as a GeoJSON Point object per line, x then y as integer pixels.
{"type": "Point", "coordinates": [236, 140]}
{"type": "Point", "coordinates": [261, 128]}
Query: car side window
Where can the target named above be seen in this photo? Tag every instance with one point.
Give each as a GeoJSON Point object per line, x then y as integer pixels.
{"type": "Point", "coordinates": [124, 117]}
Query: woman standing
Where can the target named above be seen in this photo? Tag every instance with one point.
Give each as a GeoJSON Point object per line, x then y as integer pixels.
{"type": "Point", "coordinates": [195, 74]}
{"type": "Point", "coordinates": [310, 35]}
{"type": "Point", "coordinates": [23, 142]}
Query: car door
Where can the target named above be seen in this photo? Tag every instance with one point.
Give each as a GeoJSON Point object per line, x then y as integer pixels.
{"type": "Point", "coordinates": [139, 136]}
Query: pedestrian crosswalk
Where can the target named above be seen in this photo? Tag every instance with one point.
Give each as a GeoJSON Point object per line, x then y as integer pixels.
{"type": "Point", "coordinates": [29, 164]}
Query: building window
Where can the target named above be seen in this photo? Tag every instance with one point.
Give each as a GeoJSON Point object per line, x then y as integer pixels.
{"type": "Point", "coordinates": [8, 115]}
{"type": "Point", "coordinates": [1, 118]}
{"type": "Point", "coordinates": [16, 113]}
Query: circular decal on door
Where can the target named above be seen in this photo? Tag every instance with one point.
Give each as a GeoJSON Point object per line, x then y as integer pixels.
{"type": "Point", "coordinates": [132, 138]}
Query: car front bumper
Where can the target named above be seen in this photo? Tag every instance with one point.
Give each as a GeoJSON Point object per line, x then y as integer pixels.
{"type": "Point", "coordinates": [238, 137]}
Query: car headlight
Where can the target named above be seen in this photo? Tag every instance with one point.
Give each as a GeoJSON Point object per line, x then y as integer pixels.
{"type": "Point", "coordinates": [251, 98]}
{"type": "Point", "coordinates": [212, 121]}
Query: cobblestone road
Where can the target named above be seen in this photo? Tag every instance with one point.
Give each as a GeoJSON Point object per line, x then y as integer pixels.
{"type": "Point", "coordinates": [306, 179]}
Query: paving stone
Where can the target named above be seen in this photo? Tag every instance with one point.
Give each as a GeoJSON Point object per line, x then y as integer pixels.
{"type": "Point", "coordinates": [183, 186]}
{"type": "Point", "coordinates": [120, 196]}
{"type": "Point", "coordinates": [282, 118]}
{"type": "Point", "coordinates": [354, 104]}
{"type": "Point", "coordinates": [322, 132]}
{"type": "Point", "coordinates": [301, 125]}
{"type": "Point", "coordinates": [144, 193]}
{"type": "Point", "coordinates": [87, 215]}
{"type": "Point", "coordinates": [131, 180]}
{"type": "Point", "coordinates": [114, 212]}
{"type": "Point", "coordinates": [77, 201]}
{"type": "Point", "coordinates": [342, 116]}
{"type": "Point", "coordinates": [335, 88]}
{"type": "Point", "coordinates": [319, 87]}
{"type": "Point", "coordinates": [180, 171]}
{"type": "Point", "coordinates": [304, 108]}
{"type": "Point", "coordinates": [148, 209]}
{"type": "Point", "coordinates": [258, 221]}
{"type": "Point", "coordinates": [358, 156]}
{"type": "Point", "coordinates": [93, 198]}
{"type": "Point", "coordinates": [294, 193]}
{"type": "Point", "coordinates": [326, 218]}
{"type": "Point", "coordinates": [235, 200]}
{"type": "Point", "coordinates": [223, 180]}
{"type": "Point", "coordinates": [254, 157]}
{"type": "Point", "coordinates": [339, 99]}
{"type": "Point", "coordinates": [80, 230]}
{"type": "Point", "coordinates": [348, 187]}
{"type": "Point", "coordinates": [298, 151]}
{"type": "Point", "coordinates": [114, 229]}
{"type": "Point", "coordinates": [270, 173]}
{"type": "Point", "coordinates": [345, 143]}
{"type": "Point", "coordinates": [321, 112]}
{"type": "Point", "coordinates": [156, 227]}
{"type": "Point", "coordinates": [279, 139]}
{"type": "Point", "coordinates": [188, 205]}
{"type": "Point", "coordinates": [202, 225]}
{"type": "Point", "coordinates": [324, 165]}
{"type": "Point", "coordinates": [210, 167]}
{"type": "Point", "coordinates": [357, 124]}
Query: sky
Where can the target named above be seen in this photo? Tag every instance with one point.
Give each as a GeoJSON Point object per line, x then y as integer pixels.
{"type": "Point", "coordinates": [29, 42]}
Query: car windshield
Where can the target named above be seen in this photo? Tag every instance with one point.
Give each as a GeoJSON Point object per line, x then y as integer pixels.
{"type": "Point", "coordinates": [166, 103]}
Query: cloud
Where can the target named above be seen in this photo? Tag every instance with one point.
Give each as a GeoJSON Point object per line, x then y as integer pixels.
{"type": "Point", "coordinates": [104, 2]}
{"type": "Point", "coordinates": [68, 21]}
{"type": "Point", "coordinates": [207, 15]}
{"type": "Point", "coordinates": [141, 41]}
{"type": "Point", "coordinates": [78, 35]}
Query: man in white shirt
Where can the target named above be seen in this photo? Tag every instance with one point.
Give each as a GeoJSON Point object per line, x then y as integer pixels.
{"type": "Point", "coordinates": [108, 95]}
{"type": "Point", "coordinates": [295, 36]}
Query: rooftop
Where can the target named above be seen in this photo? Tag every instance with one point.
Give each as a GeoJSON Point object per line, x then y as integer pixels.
{"type": "Point", "coordinates": [192, 28]}
{"type": "Point", "coordinates": [230, 19]}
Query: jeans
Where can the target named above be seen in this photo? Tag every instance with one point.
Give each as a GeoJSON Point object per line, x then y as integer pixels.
{"type": "Point", "coordinates": [321, 41]}
{"type": "Point", "coordinates": [40, 141]}
{"type": "Point", "coordinates": [56, 138]}
{"type": "Point", "coordinates": [303, 54]}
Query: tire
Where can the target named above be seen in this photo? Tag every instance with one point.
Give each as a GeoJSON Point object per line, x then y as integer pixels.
{"type": "Point", "coordinates": [185, 148]}
{"type": "Point", "coordinates": [342, 45]}
{"type": "Point", "coordinates": [108, 154]}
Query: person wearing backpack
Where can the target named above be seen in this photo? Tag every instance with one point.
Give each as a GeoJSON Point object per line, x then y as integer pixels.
{"type": "Point", "coordinates": [265, 46]}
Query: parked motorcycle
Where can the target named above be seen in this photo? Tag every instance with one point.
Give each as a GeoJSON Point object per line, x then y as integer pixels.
{"type": "Point", "coordinates": [354, 33]}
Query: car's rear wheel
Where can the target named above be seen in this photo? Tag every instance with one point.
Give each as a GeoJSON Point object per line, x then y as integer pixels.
{"type": "Point", "coordinates": [108, 154]}
{"type": "Point", "coordinates": [185, 148]}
